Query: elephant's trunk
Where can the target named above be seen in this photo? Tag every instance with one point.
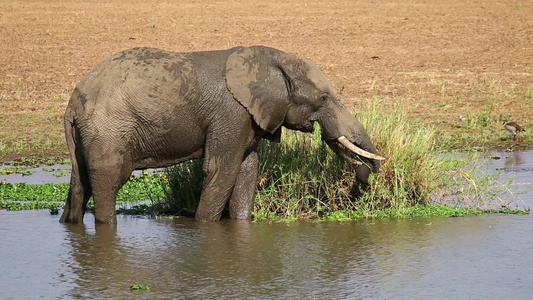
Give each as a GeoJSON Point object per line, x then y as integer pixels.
{"type": "Point", "coordinates": [347, 137]}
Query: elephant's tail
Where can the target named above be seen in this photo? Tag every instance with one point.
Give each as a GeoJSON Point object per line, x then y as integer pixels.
{"type": "Point", "coordinates": [80, 188]}
{"type": "Point", "coordinates": [71, 135]}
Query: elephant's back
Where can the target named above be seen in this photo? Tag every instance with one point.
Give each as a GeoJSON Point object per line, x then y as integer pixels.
{"type": "Point", "coordinates": [153, 64]}
{"type": "Point", "coordinates": [140, 93]}
{"type": "Point", "coordinates": [150, 75]}
{"type": "Point", "coordinates": [142, 70]}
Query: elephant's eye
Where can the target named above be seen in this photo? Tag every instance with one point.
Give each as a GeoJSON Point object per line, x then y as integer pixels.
{"type": "Point", "coordinates": [324, 97]}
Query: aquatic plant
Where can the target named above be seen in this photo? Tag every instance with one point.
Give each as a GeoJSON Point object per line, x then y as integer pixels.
{"type": "Point", "coordinates": [301, 177]}
{"type": "Point", "coordinates": [144, 187]}
{"type": "Point", "coordinates": [34, 192]}
{"type": "Point", "coordinates": [185, 186]}
{"type": "Point", "coordinates": [140, 287]}
{"type": "Point", "coordinates": [15, 170]}
{"type": "Point", "coordinates": [18, 205]}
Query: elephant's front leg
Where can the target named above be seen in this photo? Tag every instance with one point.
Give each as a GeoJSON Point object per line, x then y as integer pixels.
{"type": "Point", "coordinates": [221, 173]}
{"type": "Point", "coordinates": [242, 198]}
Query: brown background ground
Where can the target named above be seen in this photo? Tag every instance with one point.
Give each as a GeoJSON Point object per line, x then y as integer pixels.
{"type": "Point", "coordinates": [444, 58]}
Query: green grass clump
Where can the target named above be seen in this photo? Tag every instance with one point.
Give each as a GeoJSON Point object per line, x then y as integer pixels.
{"type": "Point", "coordinates": [185, 186]}
{"type": "Point", "coordinates": [416, 174]}
{"type": "Point", "coordinates": [409, 174]}
{"type": "Point", "coordinates": [302, 178]}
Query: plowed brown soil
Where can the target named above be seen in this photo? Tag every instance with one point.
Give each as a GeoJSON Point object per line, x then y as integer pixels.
{"type": "Point", "coordinates": [443, 58]}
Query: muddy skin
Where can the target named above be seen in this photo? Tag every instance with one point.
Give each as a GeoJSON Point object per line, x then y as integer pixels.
{"type": "Point", "coordinates": [148, 108]}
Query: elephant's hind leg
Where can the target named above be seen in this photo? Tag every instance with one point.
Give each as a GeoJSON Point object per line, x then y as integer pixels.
{"type": "Point", "coordinates": [108, 175]}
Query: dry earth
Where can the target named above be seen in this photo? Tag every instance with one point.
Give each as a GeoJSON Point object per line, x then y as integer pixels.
{"type": "Point", "coordinates": [443, 58]}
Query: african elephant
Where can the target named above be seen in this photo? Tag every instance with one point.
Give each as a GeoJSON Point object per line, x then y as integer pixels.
{"type": "Point", "coordinates": [149, 108]}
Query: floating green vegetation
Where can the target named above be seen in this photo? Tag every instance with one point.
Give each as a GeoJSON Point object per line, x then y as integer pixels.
{"type": "Point", "coordinates": [23, 170]}
{"type": "Point", "coordinates": [144, 187]}
{"type": "Point", "coordinates": [33, 162]}
{"type": "Point", "coordinates": [140, 287]}
{"type": "Point", "coordinates": [18, 205]}
{"type": "Point", "coordinates": [33, 192]}
{"type": "Point", "coordinates": [18, 196]}
{"type": "Point", "coordinates": [59, 172]}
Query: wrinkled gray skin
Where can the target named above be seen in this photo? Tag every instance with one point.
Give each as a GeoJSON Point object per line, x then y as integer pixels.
{"type": "Point", "coordinates": [149, 108]}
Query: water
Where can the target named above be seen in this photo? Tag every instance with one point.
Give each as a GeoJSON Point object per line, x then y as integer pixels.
{"type": "Point", "coordinates": [58, 173]}
{"type": "Point", "coordinates": [477, 257]}
{"type": "Point", "coordinates": [39, 175]}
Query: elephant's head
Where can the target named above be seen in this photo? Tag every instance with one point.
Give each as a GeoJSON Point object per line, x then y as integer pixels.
{"type": "Point", "coordinates": [279, 89]}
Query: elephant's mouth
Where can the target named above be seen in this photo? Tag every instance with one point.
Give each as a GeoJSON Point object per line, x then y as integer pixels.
{"type": "Point", "coordinates": [347, 150]}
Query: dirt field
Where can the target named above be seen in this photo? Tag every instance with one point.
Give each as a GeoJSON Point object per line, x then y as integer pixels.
{"type": "Point", "coordinates": [443, 58]}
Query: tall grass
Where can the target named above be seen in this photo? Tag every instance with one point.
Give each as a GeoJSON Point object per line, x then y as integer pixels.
{"type": "Point", "coordinates": [416, 174]}
{"type": "Point", "coordinates": [410, 173]}
{"type": "Point", "coordinates": [302, 178]}
{"type": "Point", "coordinates": [185, 182]}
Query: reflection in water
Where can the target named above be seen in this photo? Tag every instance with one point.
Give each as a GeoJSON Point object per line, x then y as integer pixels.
{"type": "Point", "coordinates": [481, 257]}
{"type": "Point", "coordinates": [518, 167]}
{"type": "Point", "coordinates": [513, 159]}
{"type": "Point", "coordinates": [381, 259]}
{"type": "Point", "coordinates": [98, 256]}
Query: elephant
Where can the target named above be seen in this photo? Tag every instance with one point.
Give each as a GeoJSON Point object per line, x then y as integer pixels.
{"type": "Point", "coordinates": [150, 108]}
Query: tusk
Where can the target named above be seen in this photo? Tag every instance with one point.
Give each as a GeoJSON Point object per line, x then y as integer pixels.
{"type": "Point", "coordinates": [346, 143]}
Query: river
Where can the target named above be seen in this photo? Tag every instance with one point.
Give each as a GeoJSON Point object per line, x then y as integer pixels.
{"type": "Point", "coordinates": [475, 257]}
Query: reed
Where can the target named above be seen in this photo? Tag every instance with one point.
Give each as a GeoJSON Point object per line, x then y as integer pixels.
{"type": "Point", "coordinates": [416, 174]}
{"type": "Point", "coordinates": [185, 182]}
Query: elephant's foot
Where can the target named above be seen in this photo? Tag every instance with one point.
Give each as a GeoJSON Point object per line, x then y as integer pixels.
{"type": "Point", "coordinates": [207, 217]}
{"type": "Point", "coordinates": [70, 216]}
{"type": "Point", "coordinates": [106, 221]}
{"type": "Point", "coordinates": [105, 215]}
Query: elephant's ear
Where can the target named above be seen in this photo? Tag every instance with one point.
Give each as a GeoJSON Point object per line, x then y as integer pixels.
{"type": "Point", "coordinates": [257, 79]}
